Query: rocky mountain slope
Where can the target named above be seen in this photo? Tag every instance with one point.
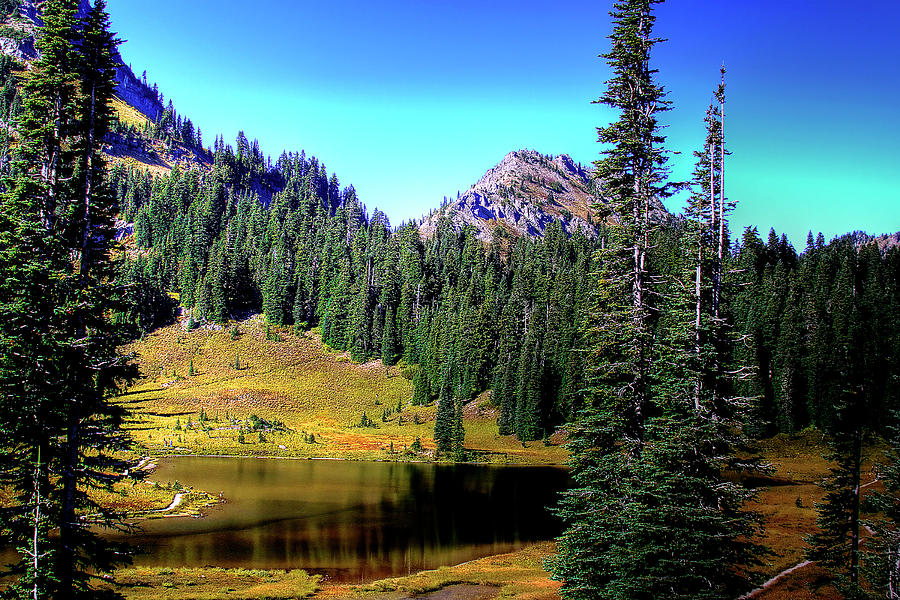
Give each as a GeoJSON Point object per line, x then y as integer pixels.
{"type": "Point", "coordinates": [523, 194]}
{"type": "Point", "coordinates": [17, 40]}
{"type": "Point", "coordinates": [885, 242]}
{"type": "Point", "coordinates": [526, 192]}
{"type": "Point", "coordinates": [143, 137]}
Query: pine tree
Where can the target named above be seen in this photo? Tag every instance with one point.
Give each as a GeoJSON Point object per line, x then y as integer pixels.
{"type": "Point", "coordinates": [444, 429]}
{"type": "Point", "coordinates": [838, 545]}
{"type": "Point", "coordinates": [63, 220]}
{"type": "Point", "coordinates": [421, 387]}
{"type": "Point", "coordinates": [650, 515]}
{"type": "Point", "coordinates": [881, 561]}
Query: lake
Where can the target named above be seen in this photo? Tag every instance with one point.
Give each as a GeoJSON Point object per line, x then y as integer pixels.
{"type": "Point", "coordinates": [351, 521]}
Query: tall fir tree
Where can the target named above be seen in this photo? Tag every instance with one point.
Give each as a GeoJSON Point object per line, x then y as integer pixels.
{"type": "Point", "coordinates": [650, 514]}
{"type": "Point", "coordinates": [56, 244]}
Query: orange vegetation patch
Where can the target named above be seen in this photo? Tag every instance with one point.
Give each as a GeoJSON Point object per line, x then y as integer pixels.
{"type": "Point", "coordinates": [518, 574]}
{"type": "Point", "coordinates": [363, 441]}
{"type": "Point", "coordinates": [808, 583]}
{"type": "Point", "coordinates": [790, 514]}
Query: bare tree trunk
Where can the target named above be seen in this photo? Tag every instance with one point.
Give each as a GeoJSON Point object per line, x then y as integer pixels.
{"type": "Point", "coordinates": [713, 215]}
{"type": "Point", "coordinates": [894, 574]}
{"type": "Point", "coordinates": [69, 520]}
{"type": "Point", "coordinates": [35, 548]}
{"type": "Point", "coordinates": [50, 171]}
{"type": "Point", "coordinates": [88, 184]}
{"type": "Point", "coordinates": [638, 302]}
{"type": "Point", "coordinates": [698, 291]}
{"type": "Point", "coordinates": [720, 266]}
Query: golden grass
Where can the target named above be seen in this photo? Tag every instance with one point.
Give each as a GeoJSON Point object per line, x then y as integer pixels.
{"type": "Point", "coordinates": [296, 379]}
{"type": "Point", "coordinates": [127, 114]}
{"type": "Point", "coordinates": [808, 583]}
{"type": "Point", "coordinates": [788, 509]}
{"type": "Point", "coordinates": [151, 499]}
{"type": "Point", "coordinates": [133, 496]}
{"type": "Point", "coordinates": [213, 584]}
{"type": "Point", "coordinates": [482, 437]}
{"type": "Point", "coordinates": [517, 575]}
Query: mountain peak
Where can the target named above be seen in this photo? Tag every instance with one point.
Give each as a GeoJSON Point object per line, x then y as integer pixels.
{"type": "Point", "coordinates": [523, 194]}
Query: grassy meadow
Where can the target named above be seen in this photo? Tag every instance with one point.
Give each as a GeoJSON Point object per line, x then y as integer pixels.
{"type": "Point", "coordinates": [252, 389]}
{"type": "Point", "coordinates": [214, 584]}
{"type": "Point", "coordinates": [515, 575]}
{"type": "Point", "coordinates": [789, 510]}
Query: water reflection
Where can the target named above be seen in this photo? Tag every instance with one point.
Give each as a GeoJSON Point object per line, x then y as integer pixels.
{"type": "Point", "coordinates": [352, 520]}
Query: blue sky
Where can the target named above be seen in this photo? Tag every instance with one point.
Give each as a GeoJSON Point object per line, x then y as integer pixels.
{"type": "Point", "coordinates": [412, 101]}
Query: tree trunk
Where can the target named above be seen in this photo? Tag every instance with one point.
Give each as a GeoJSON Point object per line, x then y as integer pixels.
{"type": "Point", "coordinates": [854, 524]}
{"type": "Point", "coordinates": [698, 291]}
{"type": "Point", "coordinates": [894, 574]}
{"type": "Point", "coordinates": [88, 184]}
{"type": "Point", "coordinates": [720, 265]}
{"type": "Point", "coordinates": [35, 548]}
{"type": "Point", "coordinates": [68, 523]}
{"type": "Point", "coordinates": [50, 170]}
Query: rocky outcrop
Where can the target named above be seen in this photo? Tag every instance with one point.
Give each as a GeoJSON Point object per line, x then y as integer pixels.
{"type": "Point", "coordinates": [523, 194]}
{"type": "Point", "coordinates": [526, 192]}
{"type": "Point", "coordinates": [17, 40]}
{"type": "Point", "coordinates": [888, 242]}
{"type": "Point", "coordinates": [133, 91]}
{"type": "Point", "coordinates": [885, 242]}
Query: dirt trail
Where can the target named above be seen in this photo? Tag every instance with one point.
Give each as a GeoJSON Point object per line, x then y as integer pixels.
{"type": "Point", "coordinates": [464, 592]}
{"type": "Point", "coordinates": [798, 566]}
{"type": "Point", "coordinates": [775, 579]}
{"type": "Point", "coordinates": [176, 502]}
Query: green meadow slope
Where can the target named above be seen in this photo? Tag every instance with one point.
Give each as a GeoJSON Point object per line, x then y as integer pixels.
{"type": "Point", "coordinates": [256, 389]}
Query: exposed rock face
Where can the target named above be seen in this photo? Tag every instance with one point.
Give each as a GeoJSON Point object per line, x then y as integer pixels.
{"type": "Point", "coordinates": [523, 194]}
{"type": "Point", "coordinates": [134, 92]}
{"type": "Point", "coordinates": [885, 243]}
{"type": "Point", "coordinates": [526, 192]}
{"type": "Point", "coordinates": [888, 242]}
{"type": "Point", "coordinates": [21, 47]}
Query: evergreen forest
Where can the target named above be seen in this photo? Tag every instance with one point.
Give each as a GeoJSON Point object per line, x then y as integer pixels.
{"type": "Point", "coordinates": [289, 241]}
{"type": "Point", "coordinates": [661, 349]}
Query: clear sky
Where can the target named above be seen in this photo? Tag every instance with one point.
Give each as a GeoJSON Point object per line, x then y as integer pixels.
{"type": "Point", "coordinates": [414, 100]}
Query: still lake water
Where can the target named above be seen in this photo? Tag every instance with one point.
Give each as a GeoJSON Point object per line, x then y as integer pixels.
{"type": "Point", "coordinates": [351, 520]}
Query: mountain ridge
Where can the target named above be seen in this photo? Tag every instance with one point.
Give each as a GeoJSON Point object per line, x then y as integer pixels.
{"type": "Point", "coordinates": [522, 194]}
{"type": "Point", "coordinates": [17, 40]}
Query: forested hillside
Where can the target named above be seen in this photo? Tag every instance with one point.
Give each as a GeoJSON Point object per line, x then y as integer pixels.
{"type": "Point", "coordinates": [290, 241]}
{"type": "Point", "coordinates": [817, 326]}
{"type": "Point", "coordinates": [663, 347]}
{"type": "Point", "coordinates": [231, 232]}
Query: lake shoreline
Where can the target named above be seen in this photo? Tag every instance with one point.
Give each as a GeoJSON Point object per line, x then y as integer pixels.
{"type": "Point", "coordinates": [512, 574]}
{"type": "Point", "coordinates": [150, 458]}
